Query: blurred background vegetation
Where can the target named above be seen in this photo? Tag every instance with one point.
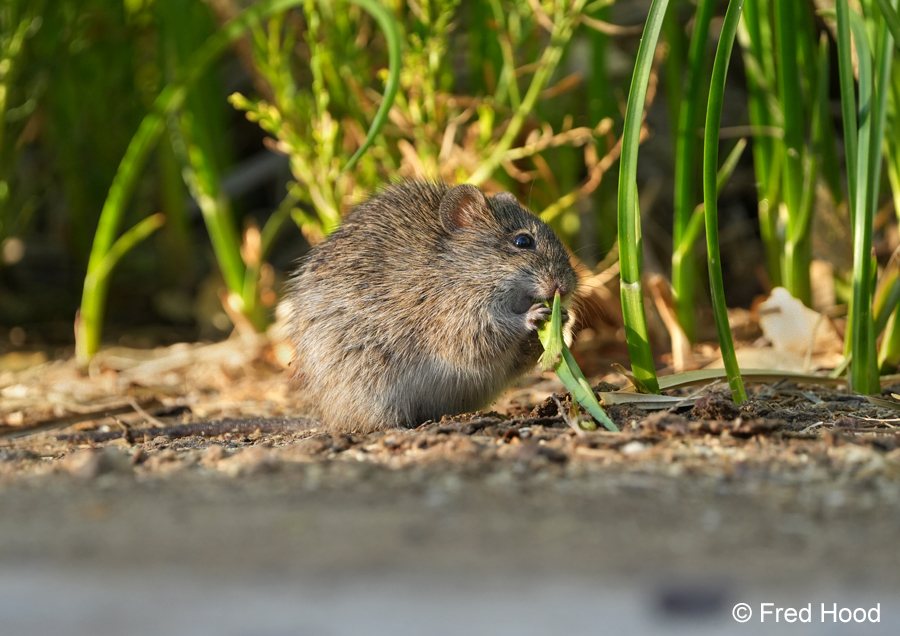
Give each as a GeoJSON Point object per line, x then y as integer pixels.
{"type": "Point", "coordinates": [521, 95]}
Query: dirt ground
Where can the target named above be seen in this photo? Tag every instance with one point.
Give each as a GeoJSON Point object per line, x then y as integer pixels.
{"type": "Point", "coordinates": [194, 458]}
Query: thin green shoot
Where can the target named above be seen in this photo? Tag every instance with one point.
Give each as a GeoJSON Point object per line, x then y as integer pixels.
{"type": "Point", "coordinates": [848, 97]}
{"type": "Point", "coordinates": [684, 269]}
{"type": "Point", "coordinates": [557, 356]}
{"type": "Point", "coordinates": [863, 369]}
{"type": "Point", "coordinates": [891, 19]}
{"type": "Point", "coordinates": [710, 164]}
{"type": "Point", "coordinates": [391, 31]}
{"type": "Point", "coordinates": [629, 218]}
{"type": "Point", "coordinates": [796, 257]}
{"type": "Point", "coordinates": [764, 109]}
{"type": "Point", "coordinates": [684, 248]}
{"type": "Point", "coordinates": [887, 293]}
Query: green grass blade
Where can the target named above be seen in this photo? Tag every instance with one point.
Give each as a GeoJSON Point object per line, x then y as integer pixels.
{"type": "Point", "coordinates": [796, 259]}
{"type": "Point", "coordinates": [629, 216]}
{"type": "Point", "coordinates": [558, 357]}
{"type": "Point", "coordinates": [825, 148]}
{"type": "Point", "coordinates": [755, 36]}
{"type": "Point", "coordinates": [710, 164]}
{"type": "Point", "coordinates": [554, 343]}
{"type": "Point", "coordinates": [697, 218]}
{"type": "Point", "coordinates": [848, 98]}
{"type": "Point", "coordinates": [96, 282]}
{"type": "Point", "coordinates": [128, 240]}
{"type": "Point", "coordinates": [887, 293]}
{"type": "Point", "coordinates": [883, 66]}
{"type": "Point", "coordinates": [683, 269]}
{"type": "Point", "coordinates": [863, 368]}
{"type": "Point", "coordinates": [891, 19]}
{"type": "Point", "coordinates": [581, 390]}
{"type": "Point", "coordinates": [889, 353]}
{"type": "Point", "coordinates": [730, 163]}
{"type": "Point", "coordinates": [391, 31]}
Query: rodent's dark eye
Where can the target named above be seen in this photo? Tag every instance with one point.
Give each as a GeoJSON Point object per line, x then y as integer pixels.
{"type": "Point", "coordinates": [524, 241]}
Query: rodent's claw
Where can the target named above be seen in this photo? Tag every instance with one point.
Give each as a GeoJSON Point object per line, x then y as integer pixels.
{"type": "Point", "coordinates": [539, 312]}
{"type": "Point", "coordinates": [536, 315]}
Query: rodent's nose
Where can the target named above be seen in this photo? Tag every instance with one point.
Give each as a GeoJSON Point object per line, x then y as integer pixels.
{"type": "Point", "coordinates": [562, 288]}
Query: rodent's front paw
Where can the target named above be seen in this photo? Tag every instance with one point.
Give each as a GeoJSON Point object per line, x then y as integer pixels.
{"type": "Point", "coordinates": [537, 314]}
{"type": "Point", "coordinates": [540, 312]}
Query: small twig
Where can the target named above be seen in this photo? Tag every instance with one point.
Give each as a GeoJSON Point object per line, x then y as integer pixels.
{"type": "Point", "coordinates": [541, 16]}
{"type": "Point", "coordinates": [611, 29]}
{"type": "Point", "coordinates": [127, 431]}
{"type": "Point", "coordinates": [809, 429]}
{"type": "Point", "coordinates": [69, 420]}
{"type": "Point", "coordinates": [709, 388]}
{"type": "Point", "coordinates": [150, 419]}
{"type": "Point", "coordinates": [563, 413]}
{"type": "Point", "coordinates": [812, 397]}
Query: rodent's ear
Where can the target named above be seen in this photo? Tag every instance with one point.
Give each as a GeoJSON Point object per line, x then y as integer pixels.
{"type": "Point", "coordinates": [506, 197]}
{"type": "Point", "coordinates": [462, 207]}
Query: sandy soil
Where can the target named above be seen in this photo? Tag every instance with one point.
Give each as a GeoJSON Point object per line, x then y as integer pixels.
{"type": "Point", "coordinates": [797, 491]}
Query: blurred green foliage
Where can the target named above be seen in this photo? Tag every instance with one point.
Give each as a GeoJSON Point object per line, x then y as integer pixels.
{"type": "Point", "coordinates": [521, 95]}
{"type": "Point", "coordinates": [85, 73]}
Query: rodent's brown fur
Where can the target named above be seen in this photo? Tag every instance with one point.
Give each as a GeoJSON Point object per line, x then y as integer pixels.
{"type": "Point", "coordinates": [421, 305]}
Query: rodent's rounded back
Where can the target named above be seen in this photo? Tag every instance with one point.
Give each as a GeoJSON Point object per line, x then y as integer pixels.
{"type": "Point", "coordinates": [423, 303]}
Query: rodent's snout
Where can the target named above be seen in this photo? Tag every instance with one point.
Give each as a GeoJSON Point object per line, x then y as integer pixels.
{"type": "Point", "coordinates": [547, 290]}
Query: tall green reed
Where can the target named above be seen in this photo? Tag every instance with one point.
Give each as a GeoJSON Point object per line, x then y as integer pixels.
{"type": "Point", "coordinates": [684, 268]}
{"type": "Point", "coordinates": [629, 228]}
{"type": "Point", "coordinates": [710, 192]}
{"type": "Point", "coordinates": [778, 40]}
{"type": "Point", "coordinates": [797, 242]}
{"type": "Point", "coordinates": [757, 43]}
{"type": "Point", "coordinates": [860, 327]}
{"type": "Point", "coordinates": [887, 295]}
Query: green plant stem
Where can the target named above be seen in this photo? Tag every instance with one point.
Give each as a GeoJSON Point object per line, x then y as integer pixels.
{"type": "Point", "coordinates": [710, 164]}
{"type": "Point", "coordinates": [887, 293]}
{"type": "Point", "coordinates": [889, 353]}
{"type": "Point", "coordinates": [508, 85]}
{"type": "Point", "coordinates": [891, 19]}
{"type": "Point", "coordinates": [95, 283]}
{"type": "Point", "coordinates": [559, 38]}
{"type": "Point", "coordinates": [796, 260]}
{"type": "Point", "coordinates": [754, 33]}
{"type": "Point", "coordinates": [558, 357]}
{"type": "Point", "coordinates": [697, 218]}
{"type": "Point", "coordinates": [391, 31]}
{"type": "Point", "coordinates": [629, 218]}
{"type": "Point", "coordinates": [824, 146]}
{"type": "Point", "coordinates": [883, 66]}
{"type": "Point", "coordinates": [128, 240]}
{"type": "Point", "coordinates": [848, 98]}
{"type": "Point", "coordinates": [863, 369]}
{"type": "Point", "coordinates": [684, 269]}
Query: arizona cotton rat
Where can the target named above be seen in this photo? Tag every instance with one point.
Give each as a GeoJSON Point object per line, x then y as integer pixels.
{"type": "Point", "coordinates": [425, 302]}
